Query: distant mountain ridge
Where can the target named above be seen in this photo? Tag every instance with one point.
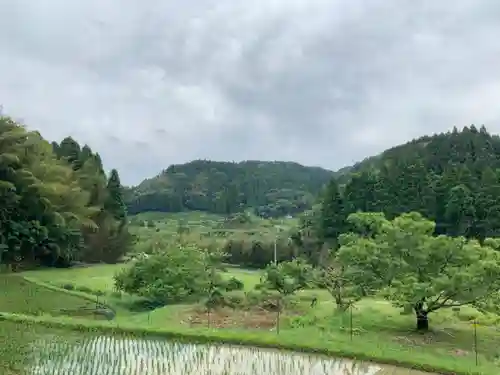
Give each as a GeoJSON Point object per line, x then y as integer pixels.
{"type": "Point", "coordinates": [269, 188]}
{"type": "Point", "coordinates": [277, 188]}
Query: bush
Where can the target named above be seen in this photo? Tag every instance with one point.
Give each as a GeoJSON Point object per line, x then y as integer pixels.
{"type": "Point", "coordinates": [234, 284]}
{"type": "Point", "coordinates": [175, 275]}
{"type": "Point", "coordinates": [234, 301]}
{"type": "Point", "coordinates": [263, 299]}
{"type": "Point", "coordinates": [68, 286]}
{"type": "Point", "coordinates": [117, 295]}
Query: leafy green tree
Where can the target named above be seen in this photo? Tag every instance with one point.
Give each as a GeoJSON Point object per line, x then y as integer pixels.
{"type": "Point", "coordinates": [305, 239]}
{"type": "Point", "coordinates": [345, 288]}
{"type": "Point", "coordinates": [215, 284]}
{"type": "Point", "coordinates": [169, 276]}
{"type": "Point", "coordinates": [460, 211]}
{"type": "Point", "coordinates": [288, 277]}
{"type": "Point", "coordinates": [413, 268]}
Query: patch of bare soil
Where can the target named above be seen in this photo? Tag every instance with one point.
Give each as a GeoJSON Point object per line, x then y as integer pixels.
{"type": "Point", "coordinates": [415, 339]}
{"type": "Point", "coordinates": [255, 318]}
{"type": "Point", "coordinates": [428, 339]}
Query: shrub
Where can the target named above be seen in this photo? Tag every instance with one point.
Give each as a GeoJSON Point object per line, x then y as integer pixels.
{"type": "Point", "coordinates": [68, 286]}
{"type": "Point", "coordinates": [116, 295]}
{"type": "Point", "coordinates": [234, 284]}
{"type": "Point", "coordinates": [234, 301]}
{"type": "Point", "coordinates": [175, 275]}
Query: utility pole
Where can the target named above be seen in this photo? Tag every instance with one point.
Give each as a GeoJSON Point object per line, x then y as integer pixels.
{"type": "Point", "coordinates": [278, 228]}
{"type": "Point", "coordinates": [275, 252]}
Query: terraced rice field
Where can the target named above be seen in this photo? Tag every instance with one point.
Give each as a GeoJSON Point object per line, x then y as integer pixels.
{"type": "Point", "coordinates": [52, 352]}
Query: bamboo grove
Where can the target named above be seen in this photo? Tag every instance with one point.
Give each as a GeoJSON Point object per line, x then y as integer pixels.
{"type": "Point", "coordinates": [56, 203]}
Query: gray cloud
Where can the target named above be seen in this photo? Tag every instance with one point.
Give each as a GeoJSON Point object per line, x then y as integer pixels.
{"type": "Point", "coordinates": [322, 82]}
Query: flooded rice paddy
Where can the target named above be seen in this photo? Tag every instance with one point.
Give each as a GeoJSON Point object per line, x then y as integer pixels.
{"type": "Point", "coordinates": [51, 353]}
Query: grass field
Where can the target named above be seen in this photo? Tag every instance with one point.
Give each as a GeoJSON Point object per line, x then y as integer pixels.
{"type": "Point", "coordinates": [100, 277]}
{"type": "Point", "coordinates": [376, 325]}
{"type": "Point", "coordinates": [96, 278]}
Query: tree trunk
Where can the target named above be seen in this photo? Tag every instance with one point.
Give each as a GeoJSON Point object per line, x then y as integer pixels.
{"type": "Point", "coordinates": [278, 316]}
{"type": "Point", "coordinates": [422, 317]}
{"type": "Point", "coordinates": [339, 302]}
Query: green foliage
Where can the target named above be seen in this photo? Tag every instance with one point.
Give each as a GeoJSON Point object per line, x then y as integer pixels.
{"type": "Point", "coordinates": [52, 202]}
{"type": "Point", "coordinates": [332, 214]}
{"type": "Point", "coordinates": [271, 189]}
{"type": "Point", "coordinates": [339, 280]}
{"type": "Point", "coordinates": [171, 275]}
{"type": "Point", "coordinates": [109, 239]}
{"type": "Point", "coordinates": [114, 200]}
{"type": "Point", "coordinates": [288, 277]}
{"type": "Point", "coordinates": [451, 178]}
{"type": "Point", "coordinates": [234, 284]}
{"type": "Point", "coordinates": [403, 259]}
{"type": "Point", "coordinates": [256, 251]}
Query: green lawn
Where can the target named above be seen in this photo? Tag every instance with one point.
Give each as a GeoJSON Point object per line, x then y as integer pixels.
{"type": "Point", "coordinates": [98, 277]}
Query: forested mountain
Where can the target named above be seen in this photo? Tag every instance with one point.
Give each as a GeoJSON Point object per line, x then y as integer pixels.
{"type": "Point", "coordinates": [451, 178]}
{"type": "Point", "coordinates": [56, 202]}
{"type": "Point", "coordinates": [270, 188]}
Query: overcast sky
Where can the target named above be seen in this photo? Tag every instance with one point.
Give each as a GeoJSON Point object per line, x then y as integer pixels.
{"type": "Point", "coordinates": [321, 82]}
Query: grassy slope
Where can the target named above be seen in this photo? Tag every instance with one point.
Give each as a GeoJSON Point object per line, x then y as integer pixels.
{"type": "Point", "coordinates": [379, 329]}
{"type": "Point", "coordinates": [96, 278]}
{"type": "Point", "coordinates": [18, 295]}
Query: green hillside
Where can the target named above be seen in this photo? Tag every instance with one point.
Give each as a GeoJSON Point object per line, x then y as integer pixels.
{"type": "Point", "coordinates": [269, 188]}
{"type": "Point", "coordinates": [451, 178]}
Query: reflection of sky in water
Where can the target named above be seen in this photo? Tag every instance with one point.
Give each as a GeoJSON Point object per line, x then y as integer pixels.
{"type": "Point", "coordinates": [121, 356]}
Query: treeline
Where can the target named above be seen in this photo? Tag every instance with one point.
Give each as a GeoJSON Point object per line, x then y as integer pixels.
{"type": "Point", "coordinates": [271, 189]}
{"type": "Point", "coordinates": [450, 178]}
{"type": "Point", "coordinates": [56, 203]}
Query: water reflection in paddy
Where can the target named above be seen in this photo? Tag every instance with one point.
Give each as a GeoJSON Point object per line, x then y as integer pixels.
{"type": "Point", "coordinates": [106, 355]}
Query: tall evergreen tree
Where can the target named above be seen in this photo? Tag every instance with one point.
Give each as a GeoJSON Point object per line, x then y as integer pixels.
{"type": "Point", "coordinates": [114, 201]}
{"type": "Point", "coordinates": [332, 214]}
